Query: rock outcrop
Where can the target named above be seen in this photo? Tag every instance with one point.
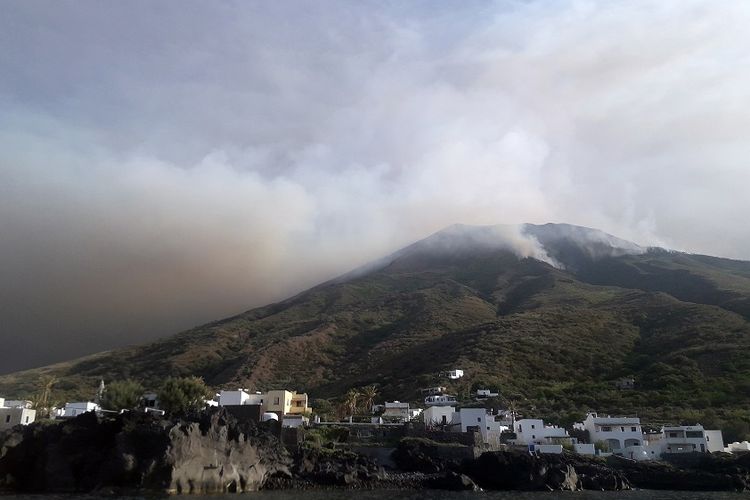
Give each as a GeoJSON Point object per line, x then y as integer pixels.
{"type": "Point", "coordinates": [511, 470]}
{"type": "Point", "coordinates": [136, 452]}
{"type": "Point", "coordinates": [708, 473]}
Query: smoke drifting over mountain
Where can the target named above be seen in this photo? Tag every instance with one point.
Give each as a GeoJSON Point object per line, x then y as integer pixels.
{"type": "Point", "coordinates": [167, 164]}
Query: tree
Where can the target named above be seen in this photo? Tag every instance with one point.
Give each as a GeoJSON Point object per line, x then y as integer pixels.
{"type": "Point", "coordinates": [368, 395]}
{"type": "Point", "coordinates": [123, 395]}
{"type": "Point", "coordinates": [351, 400]}
{"type": "Point", "coordinates": [41, 401]}
{"type": "Point", "coordinates": [183, 395]}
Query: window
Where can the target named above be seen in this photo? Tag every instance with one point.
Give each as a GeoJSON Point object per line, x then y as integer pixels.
{"type": "Point", "coordinates": [694, 434]}
{"type": "Point", "coordinates": [479, 419]}
{"type": "Point", "coordinates": [7, 418]}
{"type": "Point", "coordinates": [633, 429]}
{"type": "Point", "coordinates": [27, 419]}
{"type": "Point", "coordinates": [275, 401]}
{"type": "Point", "coordinates": [520, 429]}
{"type": "Point", "coordinates": [622, 429]}
{"type": "Point", "coordinates": [673, 434]}
{"type": "Point", "coordinates": [533, 436]}
{"type": "Point", "coordinates": [606, 429]}
{"type": "Point", "coordinates": [532, 426]}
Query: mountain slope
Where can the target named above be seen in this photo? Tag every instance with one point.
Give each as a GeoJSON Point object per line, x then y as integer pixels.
{"type": "Point", "coordinates": [550, 315]}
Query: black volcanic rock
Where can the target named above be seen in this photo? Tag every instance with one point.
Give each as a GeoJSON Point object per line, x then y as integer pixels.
{"type": "Point", "coordinates": [136, 452]}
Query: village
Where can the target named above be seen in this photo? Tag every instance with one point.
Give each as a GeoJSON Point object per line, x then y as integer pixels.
{"type": "Point", "coordinates": [441, 418]}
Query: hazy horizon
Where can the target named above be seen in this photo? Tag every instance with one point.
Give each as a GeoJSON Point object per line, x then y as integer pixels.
{"type": "Point", "coordinates": [167, 164]}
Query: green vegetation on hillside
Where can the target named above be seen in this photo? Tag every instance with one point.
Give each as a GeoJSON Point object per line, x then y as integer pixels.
{"type": "Point", "coordinates": [553, 341]}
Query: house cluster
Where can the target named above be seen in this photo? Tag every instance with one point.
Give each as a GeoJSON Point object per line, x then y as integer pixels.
{"type": "Point", "coordinates": [290, 408]}
{"type": "Point", "coordinates": [596, 435]}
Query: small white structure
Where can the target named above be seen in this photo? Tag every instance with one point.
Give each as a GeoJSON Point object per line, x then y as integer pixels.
{"type": "Point", "coordinates": [269, 416]}
{"type": "Point", "coordinates": [240, 397]}
{"type": "Point", "coordinates": [74, 409]}
{"type": "Point", "coordinates": [737, 446]}
{"type": "Point", "coordinates": [414, 413]}
{"type": "Point", "coordinates": [486, 393]}
{"type": "Point", "coordinates": [584, 449]}
{"type": "Point", "coordinates": [439, 416]}
{"type": "Point", "coordinates": [294, 421]}
{"type": "Point", "coordinates": [618, 433]}
{"type": "Point", "coordinates": [397, 410]}
{"type": "Point", "coordinates": [10, 417]}
{"type": "Point", "coordinates": [150, 400]}
{"type": "Point", "coordinates": [551, 449]}
{"type": "Point", "coordinates": [440, 400]}
{"type": "Point", "coordinates": [489, 426]}
{"type": "Point", "coordinates": [455, 374]}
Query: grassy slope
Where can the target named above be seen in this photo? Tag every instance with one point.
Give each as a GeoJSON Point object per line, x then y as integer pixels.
{"type": "Point", "coordinates": [551, 340]}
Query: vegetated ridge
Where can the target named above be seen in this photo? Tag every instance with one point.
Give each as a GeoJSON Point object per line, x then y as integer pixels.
{"type": "Point", "coordinates": [551, 330]}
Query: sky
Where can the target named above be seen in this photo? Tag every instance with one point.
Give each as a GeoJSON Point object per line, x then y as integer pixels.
{"type": "Point", "coordinates": [164, 164]}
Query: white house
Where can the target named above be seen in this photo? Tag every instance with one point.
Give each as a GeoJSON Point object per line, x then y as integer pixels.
{"type": "Point", "coordinates": [455, 374]}
{"type": "Point", "coordinates": [397, 410]}
{"type": "Point", "coordinates": [689, 439]}
{"type": "Point", "coordinates": [10, 417]}
{"type": "Point", "coordinates": [533, 431]}
{"type": "Point", "coordinates": [439, 415]}
{"type": "Point", "coordinates": [619, 433]}
{"type": "Point", "coordinates": [490, 426]}
{"type": "Point", "coordinates": [77, 408]}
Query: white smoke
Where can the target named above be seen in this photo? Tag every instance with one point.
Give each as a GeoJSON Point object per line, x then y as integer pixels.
{"type": "Point", "coordinates": [159, 171]}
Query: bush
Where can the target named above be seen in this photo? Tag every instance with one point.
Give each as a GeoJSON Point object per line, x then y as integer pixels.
{"type": "Point", "coordinates": [124, 395]}
{"type": "Point", "coordinates": [183, 395]}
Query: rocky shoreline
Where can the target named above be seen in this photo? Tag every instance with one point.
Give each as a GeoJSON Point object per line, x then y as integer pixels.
{"type": "Point", "coordinates": [214, 453]}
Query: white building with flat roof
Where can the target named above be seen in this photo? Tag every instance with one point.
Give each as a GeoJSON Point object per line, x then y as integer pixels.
{"type": "Point", "coordinates": [397, 410]}
{"type": "Point", "coordinates": [534, 431]}
{"type": "Point", "coordinates": [10, 417]}
{"type": "Point", "coordinates": [235, 398]}
{"type": "Point", "coordinates": [490, 426]}
{"type": "Point", "coordinates": [689, 439]}
{"type": "Point", "coordinates": [437, 416]}
{"type": "Point", "coordinates": [618, 433]}
{"type": "Point", "coordinates": [74, 409]}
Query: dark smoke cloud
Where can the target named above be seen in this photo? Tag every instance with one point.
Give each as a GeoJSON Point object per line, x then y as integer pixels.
{"type": "Point", "coordinates": [164, 164]}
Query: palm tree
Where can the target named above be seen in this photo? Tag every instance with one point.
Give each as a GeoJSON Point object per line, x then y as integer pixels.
{"type": "Point", "coordinates": [41, 401]}
{"type": "Point", "coordinates": [350, 401]}
{"type": "Point", "coordinates": [368, 395]}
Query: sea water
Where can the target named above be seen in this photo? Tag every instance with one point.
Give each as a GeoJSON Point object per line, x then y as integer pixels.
{"type": "Point", "coordinates": [425, 495]}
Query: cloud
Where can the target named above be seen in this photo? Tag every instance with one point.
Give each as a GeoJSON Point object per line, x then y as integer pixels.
{"type": "Point", "coordinates": [164, 165]}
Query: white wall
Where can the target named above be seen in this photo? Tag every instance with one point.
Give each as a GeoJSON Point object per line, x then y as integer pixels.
{"type": "Point", "coordinates": [715, 441]}
{"type": "Point", "coordinates": [10, 417]}
{"type": "Point", "coordinates": [75, 409]}
{"type": "Point", "coordinates": [435, 415]}
{"type": "Point", "coordinates": [529, 431]}
{"type": "Point", "coordinates": [618, 432]}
